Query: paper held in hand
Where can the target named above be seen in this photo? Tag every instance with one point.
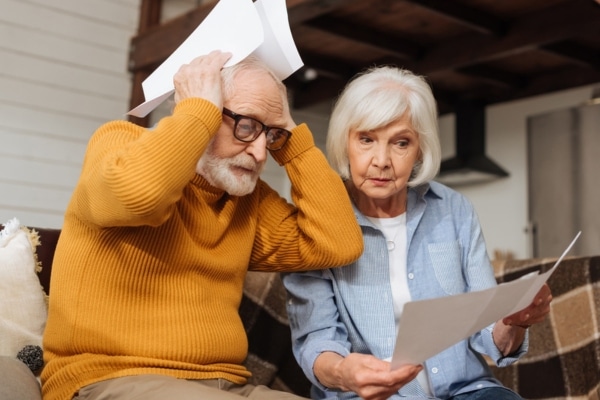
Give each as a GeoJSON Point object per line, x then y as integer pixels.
{"type": "Point", "coordinates": [241, 27]}
{"type": "Point", "coordinates": [428, 327]}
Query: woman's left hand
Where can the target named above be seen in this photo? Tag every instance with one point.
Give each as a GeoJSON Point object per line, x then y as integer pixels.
{"type": "Point", "coordinates": [535, 313]}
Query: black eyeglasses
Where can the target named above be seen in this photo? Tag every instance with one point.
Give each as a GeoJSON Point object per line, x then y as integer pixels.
{"type": "Point", "coordinates": [247, 129]}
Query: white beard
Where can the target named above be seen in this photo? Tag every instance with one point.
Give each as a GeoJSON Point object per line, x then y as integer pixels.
{"type": "Point", "coordinates": [217, 171]}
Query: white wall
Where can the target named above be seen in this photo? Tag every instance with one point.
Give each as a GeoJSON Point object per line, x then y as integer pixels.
{"type": "Point", "coordinates": [63, 72]}
{"type": "Point", "coordinates": [502, 205]}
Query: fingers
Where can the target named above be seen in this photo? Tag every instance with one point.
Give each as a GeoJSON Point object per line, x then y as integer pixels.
{"type": "Point", "coordinates": [372, 378]}
{"type": "Point", "coordinates": [535, 313]}
{"type": "Point", "coordinates": [201, 78]}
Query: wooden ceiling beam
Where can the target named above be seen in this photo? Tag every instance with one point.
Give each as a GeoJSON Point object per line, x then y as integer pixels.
{"type": "Point", "coordinates": [150, 11]}
{"type": "Point", "coordinates": [316, 91]}
{"type": "Point", "coordinates": [553, 24]}
{"type": "Point", "coordinates": [559, 80]}
{"type": "Point", "coordinates": [150, 48]}
{"type": "Point", "coordinates": [495, 76]}
{"type": "Point", "coordinates": [470, 17]}
{"type": "Point", "coordinates": [545, 83]}
{"type": "Point", "coordinates": [329, 66]}
{"type": "Point", "coordinates": [382, 41]}
{"type": "Point", "coordinates": [576, 52]}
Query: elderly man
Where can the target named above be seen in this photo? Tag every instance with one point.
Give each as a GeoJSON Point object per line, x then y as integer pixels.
{"type": "Point", "coordinates": [162, 227]}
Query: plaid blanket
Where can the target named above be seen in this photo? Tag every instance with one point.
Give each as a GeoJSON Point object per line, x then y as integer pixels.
{"type": "Point", "coordinates": [264, 315]}
{"type": "Point", "coordinates": [563, 361]}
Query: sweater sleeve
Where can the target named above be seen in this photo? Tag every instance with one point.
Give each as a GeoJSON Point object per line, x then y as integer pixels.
{"type": "Point", "coordinates": [133, 176]}
{"type": "Point", "coordinates": [321, 230]}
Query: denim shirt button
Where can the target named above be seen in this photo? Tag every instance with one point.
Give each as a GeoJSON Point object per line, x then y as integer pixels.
{"type": "Point", "coordinates": [434, 370]}
{"type": "Point", "coordinates": [411, 276]}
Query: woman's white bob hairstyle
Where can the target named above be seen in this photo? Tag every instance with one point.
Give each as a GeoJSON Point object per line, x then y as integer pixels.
{"type": "Point", "coordinates": [377, 97]}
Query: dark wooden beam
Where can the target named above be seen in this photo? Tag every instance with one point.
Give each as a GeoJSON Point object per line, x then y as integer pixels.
{"type": "Point", "coordinates": [553, 24]}
{"type": "Point", "coordinates": [541, 84]}
{"type": "Point", "coordinates": [382, 41]}
{"type": "Point", "coordinates": [495, 76]}
{"type": "Point", "coordinates": [152, 47]}
{"type": "Point", "coordinates": [316, 91]}
{"type": "Point", "coordinates": [476, 20]}
{"type": "Point", "coordinates": [150, 11]}
{"type": "Point", "coordinates": [575, 52]}
{"type": "Point", "coordinates": [556, 81]}
{"type": "Point", "coordinates": [329, 66]}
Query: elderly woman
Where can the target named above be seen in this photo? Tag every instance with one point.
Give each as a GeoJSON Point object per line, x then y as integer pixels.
{"type": "Point", "coordinates": [422, 240]}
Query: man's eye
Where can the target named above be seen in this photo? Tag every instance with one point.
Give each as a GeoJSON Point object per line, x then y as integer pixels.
{"type": "Point", "coordinates": [247, 126]}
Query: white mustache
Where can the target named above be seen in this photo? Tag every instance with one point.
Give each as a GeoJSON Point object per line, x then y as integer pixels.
{"type": "Point", "coordinates": [249, 165]}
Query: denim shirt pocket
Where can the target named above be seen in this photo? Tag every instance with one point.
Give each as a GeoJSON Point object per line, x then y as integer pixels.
{"type": "Point", "coordinates": [446, 262]}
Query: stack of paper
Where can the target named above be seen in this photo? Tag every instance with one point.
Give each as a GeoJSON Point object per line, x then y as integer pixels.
{"type": "Point", "coordinates": [429, 326]}
{"type": "Point", "coordinates": [241, 27]}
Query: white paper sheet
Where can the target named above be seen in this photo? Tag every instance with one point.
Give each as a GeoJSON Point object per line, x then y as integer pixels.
{"type": "Point", "coordinates": [240, 27]}
{"type": "Point", "coordinates": [428, 327]}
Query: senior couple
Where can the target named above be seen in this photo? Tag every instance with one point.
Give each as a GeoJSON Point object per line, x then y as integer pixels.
{"type": "Point", "coordinates": [164, 223]}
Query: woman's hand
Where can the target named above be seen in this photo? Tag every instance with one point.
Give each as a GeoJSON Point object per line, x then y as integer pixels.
{"type": "Point", "coordinates": [509, 333]}
{"type": "Point", "coordinates": [535, 313]}
{"type": "Point", "coordinates": [367, 376]}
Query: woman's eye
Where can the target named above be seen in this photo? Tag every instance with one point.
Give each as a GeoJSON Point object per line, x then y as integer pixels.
{"type": "Point", "coordinates": [402, 143]}
{"type": "Point", "coordinates": [365, 139]}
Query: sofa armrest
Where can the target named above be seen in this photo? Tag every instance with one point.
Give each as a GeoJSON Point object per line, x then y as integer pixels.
{"type": "Point", "coordinates": [45, 253]}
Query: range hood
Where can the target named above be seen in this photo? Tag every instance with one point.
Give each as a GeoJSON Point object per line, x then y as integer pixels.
{"type": "Point", "coordinates": [470, 165]}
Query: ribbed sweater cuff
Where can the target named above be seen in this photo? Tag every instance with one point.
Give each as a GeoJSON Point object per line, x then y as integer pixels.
{"type": "Point", "coordinates": [201, 109]}
{"type": "Point", "coordinates": [300, 141]}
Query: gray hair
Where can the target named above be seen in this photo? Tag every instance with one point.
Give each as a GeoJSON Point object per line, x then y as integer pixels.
{"type": "Point", "coordinates": [377, 97]}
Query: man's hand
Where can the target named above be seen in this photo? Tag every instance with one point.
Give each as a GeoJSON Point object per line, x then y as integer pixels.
{"type": "Point", "coordinates": [201, 78]}
{"type": "Point", "coordinates": [366, 375]}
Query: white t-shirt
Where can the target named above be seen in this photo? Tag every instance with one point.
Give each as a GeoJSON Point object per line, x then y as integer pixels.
{"type": "Point", "coordinates": [394, 230]}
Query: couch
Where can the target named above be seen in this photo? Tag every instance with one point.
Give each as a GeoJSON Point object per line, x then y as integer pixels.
{"type": "Point", "coordinates": [563, 361]}
{"type": "Point", "coordinates": [262, 310]}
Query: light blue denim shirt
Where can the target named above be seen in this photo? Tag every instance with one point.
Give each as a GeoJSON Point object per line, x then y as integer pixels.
{"type": "Point", "coordinates": [349, 309]}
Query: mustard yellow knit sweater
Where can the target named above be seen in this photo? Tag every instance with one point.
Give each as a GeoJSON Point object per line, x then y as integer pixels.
{"type": "Point", "coordinates": [148, 272]}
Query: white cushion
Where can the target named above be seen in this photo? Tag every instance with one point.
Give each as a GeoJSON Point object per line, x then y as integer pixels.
{"type": "Point", "coordinates": [23, 306]}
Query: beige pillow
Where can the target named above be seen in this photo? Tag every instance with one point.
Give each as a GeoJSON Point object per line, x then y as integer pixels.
{"type": "Point", "coordinates": [23, 308]}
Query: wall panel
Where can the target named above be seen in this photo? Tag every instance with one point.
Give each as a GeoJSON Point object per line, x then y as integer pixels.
{"type": "Point", "coordinates": [63, 73]}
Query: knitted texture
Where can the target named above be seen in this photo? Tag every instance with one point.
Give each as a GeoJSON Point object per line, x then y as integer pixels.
{"type": "Point", "coordinates": [150, 265]}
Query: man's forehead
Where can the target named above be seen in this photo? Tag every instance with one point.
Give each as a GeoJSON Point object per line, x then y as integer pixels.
{"type": "Point", "coordinates": [259, 99]}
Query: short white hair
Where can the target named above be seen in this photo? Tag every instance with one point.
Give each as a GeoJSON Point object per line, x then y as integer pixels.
{"type": "Point", "coordinates": [251, 63]}
{"type": "Point", "coordinates": [377, 97]}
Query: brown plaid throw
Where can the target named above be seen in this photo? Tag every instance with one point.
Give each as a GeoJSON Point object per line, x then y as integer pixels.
{"type": "Point", "coordinates": [264, 315]}
{"type": "Point", "coordinates": [563, 361]}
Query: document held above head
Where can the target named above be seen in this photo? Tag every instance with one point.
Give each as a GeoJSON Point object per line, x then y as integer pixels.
{"type": "Point", "coordinates": [428, 327]}
{"type": "Point", "coordinates": [241, 27]}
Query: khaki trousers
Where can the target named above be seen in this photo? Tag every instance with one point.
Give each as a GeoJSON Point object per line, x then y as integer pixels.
{"type": "Point", "coordinates": [160, 387]}
{"type": "Point", "coordinates": [17, 382]}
